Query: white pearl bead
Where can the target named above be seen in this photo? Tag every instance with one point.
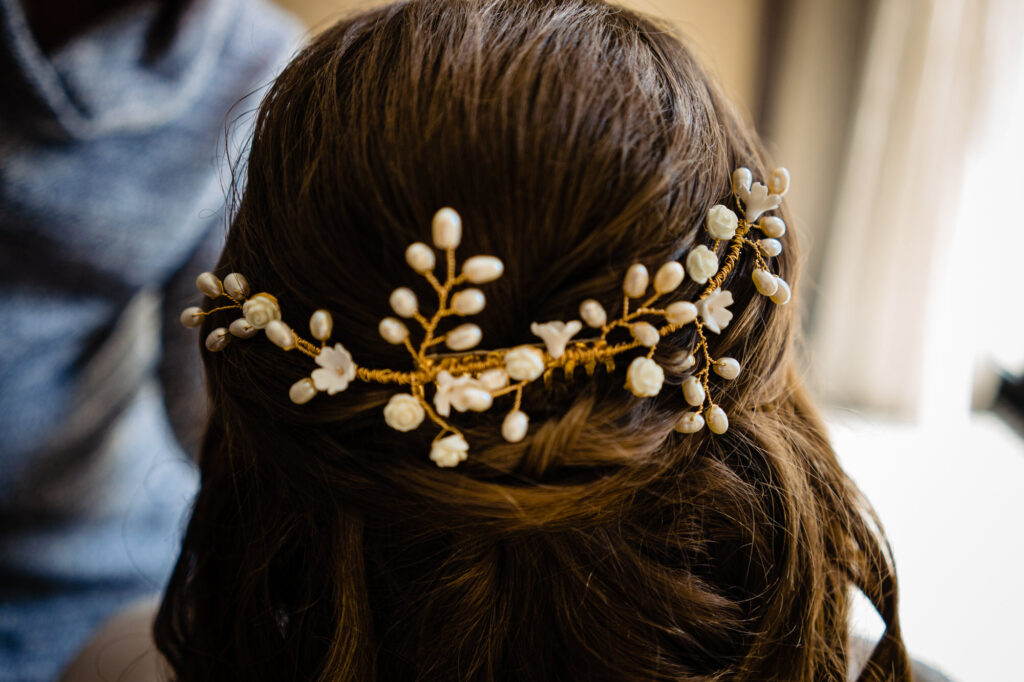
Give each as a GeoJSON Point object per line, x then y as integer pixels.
{"type": "Point", "coordinates": [242, 329]}
{"type": "Point", "coordinates": [192, 317]}
{"type": "Point", "coordinates": [218, 339]}
{"type": "Point", "coordinates": [669, 277]}
{"type": "Point", "coordinates": [686, 363]}
{"type": "Point", "coordinates": [468, 302]}
{"type": "Point", "coordinates": [483, 269]}
{"type": "Point", "coordinates": [783, 294]}
{"type": "Point", "coordinates": [721, 222]}
{"type": "Point", "coordinates": [770, 247]}
{"type": "Point", "coordinates": [494, 379]}
{"type": "Point", "coordinates": [236, 286]}
{"type": "Point", "coordinates": [280, 334]}
{"type": "Point", "coordinates": [403, 302]}
{"type": "Point", "coordinates": [645, 333]}
{"type": "Point", "coordinates": [765, 282]}
{"type": "Point", "coordinates": [302, 391]}
{"type": "Point", "coordinates": [514, 426]}
{"type": "Point", "coordinates": [727, 368]}
{"type": "Point", "coordinates": [477, 399]}
{"type": "Point", "coordinates": [681, 312]}
{"type": "Point", "coordinates": [717, 420]}
{"type": "Point", "coordinates": [321, 324]}
{"type": "Point", "coordinates": [693, 391]}
{"type": "Point", "coordinates": [741, 179]}
{"type": "Point", "coordinates": [772, 226]}
{"type": "Point", "coordinates": [690, 422]}
{"type": "Point", "coordinates": [209, 284]}
{"type": "Point", "coordinates": [593, 313]}
{"type": "Point", "coordinates": [778, 181]}
{"type": "Point", "coordinates": [393, 330]}
{"type": "Point", "coordinates": [463, 337]}
{"type": "Point", "coordinates": [420, 257]}
{"type": "Point", "coordinates": [635, 283]}
{"type": "Point", "coordinates": [447, 228]}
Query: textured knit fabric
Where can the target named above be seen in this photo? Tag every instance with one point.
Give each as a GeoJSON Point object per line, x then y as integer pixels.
{"type": "Point", "coordinates": [112, 188]}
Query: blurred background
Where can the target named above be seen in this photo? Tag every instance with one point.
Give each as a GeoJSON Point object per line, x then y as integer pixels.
{"type": "Point", "coordinates": [900, 122]}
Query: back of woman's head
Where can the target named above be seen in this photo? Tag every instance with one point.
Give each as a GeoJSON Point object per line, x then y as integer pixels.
{"type": "Point", "coordinates": [575, 139]}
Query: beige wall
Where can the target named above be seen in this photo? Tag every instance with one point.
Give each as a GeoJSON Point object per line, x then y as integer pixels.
{"type": "Point", "coordinates": [724, 32]}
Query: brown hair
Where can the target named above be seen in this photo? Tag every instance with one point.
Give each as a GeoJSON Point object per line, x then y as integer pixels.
{"type": "Point", "coordinates": [575, 138]}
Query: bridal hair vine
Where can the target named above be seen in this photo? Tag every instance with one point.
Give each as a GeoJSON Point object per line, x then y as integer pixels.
{"type": "Point", "coordinates": [467, 378]}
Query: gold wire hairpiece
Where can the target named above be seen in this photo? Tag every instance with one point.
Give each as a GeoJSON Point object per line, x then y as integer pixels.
{"type": "Point", "coordinates": [467, 379]}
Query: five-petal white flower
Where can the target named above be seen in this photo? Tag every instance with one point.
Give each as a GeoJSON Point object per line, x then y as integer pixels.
{"type": "Point", "coordinates": [337, 369]}
{"type": "Point", "coordinates": [556, 334]}
{"type": "Point", "coordinates": [713, 310]}
{"type": "Point", "coordinates": [462, 392]}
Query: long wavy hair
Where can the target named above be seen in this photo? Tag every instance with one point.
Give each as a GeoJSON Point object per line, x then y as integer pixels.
{"type": "Point", "coordinates": [575, 138]}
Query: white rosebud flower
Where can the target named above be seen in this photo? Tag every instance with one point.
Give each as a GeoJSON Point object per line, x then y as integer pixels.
{"type": "Point", "coordinates": [447, 228]}
{"type": "Point", "coordinates": [515, 426]}
{"type": "Point", "coordinates": [209, 285]}
{"type": "Point", "coordinates": [727, 368]}
{"type": "Point", "coordinates": [192, 317]}
{"type": "Point", "coordinates": [644, 333]}
{"type": "Point", "coordinates": [494, 379]}
{"type": "Point", "coordinates": [690, 422]}
{"type": "Point", "coordinates": [403, 302]}
{"type": "Point", "coordinates": [681, 312]}
{"type": "Point", "coordinates": [693, 391]}
{"type": "Point", "coordinates": [593, 313]}
{"type": "Point", "coordinates": [669, 277]}
{"type": "Point", "coordinates": [556, 334]}
{"type": "Point", "coordinates": [449, 451]}
{"type": "Point", "coordinates": [778, 181]}
{"type": "Point", "coordinates": [336, 369]}
{"type": "Point", "coordinates": [420, 257]}
{"type": "Point", "coordinates": [483, 269]}
{"type": "Point", "coordinates": [236, 286]}
{"type": "Point", "coordinates": [717, 420]}
{"type": "Point", "coordinates": [713, 310]}
{"type": "Point", "coordinates": [702, 264]}
{"type": "Point", "coordinates": [770, 247]}
{"type": "Point", "coordinates": [783, 293]}
{"type": "Point", "coordinates": [403, 412]}
{"type": "Point", "coordinates": [635, 283]}
{"type": "Point", "coordinates": [524, 363]}
{"type": "Point", "coordinates": [721, 222]}
{"type": "Point", "coordinates": [644, 377]}
{"type": "Point", "coordinates": [261, 310]}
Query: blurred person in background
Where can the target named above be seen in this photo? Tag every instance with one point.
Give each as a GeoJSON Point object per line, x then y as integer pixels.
{"type": "Point", "coordinates": [111, 188]}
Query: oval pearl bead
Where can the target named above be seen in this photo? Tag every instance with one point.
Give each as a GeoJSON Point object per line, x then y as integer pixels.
{"type": "Point", "coordinates": [242, 329]}
{"type": "Point", "coordinates": [693, 392]}
{"type": "Point", "coordinates": [192, 317]}
{"type": "Point", "coordinates": [468, 302]}
{"type": "Point", "coordinates": [765, 282]}
{"type": "Point", "coordinates": [669, 277]}
{"type": "Point", "coordinates": [778, 181]}
{"type": "Point", "coordinates": [209, 285]}
{"type": "Point", "coordinates": [690, 422]}
{"type": "Point", "coordinates": [770, 247]}
{"type": "Point", "coordinates": [727, 368]}
{"type": "Point", "coordinates": [645, 333]}
{"type": "Point", "coordinates": [681, 312]}
{"type": "Point", "coordinates": [783, 294]}
{"type": "Point", "coordinates": [635, 283]}
{"type": "Point", "coordinates": [420, 257]}
{"type": "Point", "coordinates": [236, 286]}
{"type": "Point", "coordinates": [393, 330]}
{"type": "Point", "coordinates": [403, 302]}
{"type": "Point", "coordinates": [683, 363]}
{"type": "Point", "coordinates": [321, 324]}
{"type": "Point", "coordinates": [717, 420]}
{"type": "Point", "coordinates": [515, 426]}
{"type": "Point", "coordinates": [463, 337]}
{"type": "Point", "coordinates": [772, 226]}
{"type": "Point", "coordinates": [218, 339]}
{"type": "Point", "coordinates": [302, 391]}
{"type": "Point", "coordinates": [593, 313]}
{"type": "Point", "coordinates": [483, 269]}
{"type": "Point", "coordinates": [494, 379]}
{"type": "Point", "coordinates": [477, 399]}
{"type": "Point", "coordinates": [741, 179]}
{"type": "Point", "coordinates": [447, 228]}
{"type": "Point", "coordinates": [280, 334]}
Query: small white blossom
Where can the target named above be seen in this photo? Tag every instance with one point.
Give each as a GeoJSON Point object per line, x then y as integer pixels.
{"type": "Point", "coordinates": [449, 451]}
{"type": "Point", "coordinates": [757, 200]}
{"type": "Point", "coordinates": [556, 334]}
{"type": "Point", "coordinates": [337, 369]}
{"type": "Point", "coordinates": [462, 392]}
{"type": "Point", "coordinates": [702, 264]}
{"type": "Point", "coordinates": [403, 412]}
{"type": "Point", "coordinates": [714, 311]}
{"type": "Point", "coordinates": [261, 310]}
{"type": "Point", "coordinates": [644, 377]}
{"type": "Point", "coordinates": [524, 363]}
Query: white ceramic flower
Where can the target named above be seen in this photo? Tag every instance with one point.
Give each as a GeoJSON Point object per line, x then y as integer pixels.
{"type": "Point", "coordinates": [721, 222]}
{"type": "Point", "coordinates": [556, 334]}
{"type": "Point", "coordinates": [261, 310]}
{"type": "Point", "coordinates": [336, 369]}
{"type": "Point", "coordinates": [713, 310]}
{"type": "Point", "coordinates": [524, 363]}
{"type": "Point", "coordinates": [462, 392]}
{"type": "Point", "coordinates": [403, 412]}
{"type": "Point", "coordinates": [644, 377]}
{"type": "Point", "coordinates": [702, 264]}
{"type": "Point", "coordinates": [449, 451]}
{"type": "Point", "coordinates": [757, 200]}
